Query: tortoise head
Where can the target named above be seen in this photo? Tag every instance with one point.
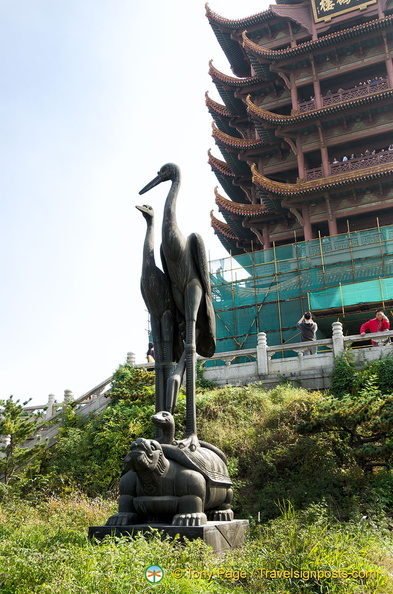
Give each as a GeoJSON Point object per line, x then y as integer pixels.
{"type": "Point", "coordinates": [144, 454]}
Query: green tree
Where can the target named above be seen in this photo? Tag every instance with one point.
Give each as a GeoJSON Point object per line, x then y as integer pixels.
{"type": "Point", "coordinates": [363, 422]}
{"type": "Point", "coordinates": [18, 463]}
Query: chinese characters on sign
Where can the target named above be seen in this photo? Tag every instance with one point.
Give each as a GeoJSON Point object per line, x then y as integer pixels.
{"type": "Point", "coordinates": [324, 10]}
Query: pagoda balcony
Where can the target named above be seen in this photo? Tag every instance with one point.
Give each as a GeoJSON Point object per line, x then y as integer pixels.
{"type": "Point", "coordinates": [352, 165]}
{"type": "Point", "coordinates": [347, 95]}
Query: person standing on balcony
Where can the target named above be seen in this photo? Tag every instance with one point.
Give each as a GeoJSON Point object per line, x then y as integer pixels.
{"type": "Point", "coordinates": [378, 324]}
{"type": "Point", "coordinates": [308, 330]}
{"type": "Point", "coordinates": [150, 353]}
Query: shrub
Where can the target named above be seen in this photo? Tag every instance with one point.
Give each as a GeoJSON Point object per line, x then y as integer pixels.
{"type": "Point", "coordinates": [90, 452]}
{"type": "Point", "coordinates": [133, 384]}
{"type": "Point", "coordinates": [343, 375]}
{"type": "Point", "coordinates": [18, 462]}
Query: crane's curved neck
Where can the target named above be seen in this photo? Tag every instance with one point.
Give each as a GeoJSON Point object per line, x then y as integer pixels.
{"type": "Point", "coordinates": [169, 217]}
{"type": "Point", "coordinates": [148, 245]}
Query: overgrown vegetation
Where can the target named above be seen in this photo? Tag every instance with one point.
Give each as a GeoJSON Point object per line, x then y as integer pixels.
{"type": "Point", "coordinates": [346, 379]}
{"type": "Point", "coordinates": [314, 467]}
{"type": "Point", "coordinates": [44, 548]}
{"type": "Point", "coordinates": [18, 465]}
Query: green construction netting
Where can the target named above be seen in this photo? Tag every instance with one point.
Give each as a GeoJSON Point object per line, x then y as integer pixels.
{"type": "Point", "coordinates": [268, 290]}
{"type": "Point", "coordinates": [345, 295]}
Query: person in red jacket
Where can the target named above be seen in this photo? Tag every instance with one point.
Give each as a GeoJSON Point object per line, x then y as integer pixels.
{"type": "Point", "coordinates": [378, 324]}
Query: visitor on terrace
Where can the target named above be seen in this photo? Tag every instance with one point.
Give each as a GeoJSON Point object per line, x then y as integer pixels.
{"type": "Point", "coordinates": [378, 324]}
{"type": "Point", "coordinates": [308, 330]}
{"type": "Point", "coordinates": [150, 353]}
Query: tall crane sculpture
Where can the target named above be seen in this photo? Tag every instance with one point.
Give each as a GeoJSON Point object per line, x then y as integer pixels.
{"type": "Point", "coordinates": [184, 260]}
{"type": "Point", "coordinates": [157, 294]}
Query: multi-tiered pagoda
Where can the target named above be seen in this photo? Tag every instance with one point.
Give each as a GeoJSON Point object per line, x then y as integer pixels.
{"type": "Point", "coordinates": [305, 131]}
{"type": "Point", "coordinates": [305, 124]}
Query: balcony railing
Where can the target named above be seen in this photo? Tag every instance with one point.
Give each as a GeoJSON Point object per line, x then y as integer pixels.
{"type": "Point", "coordinates": [346, 95]}
{"type": "Point", "coordinates": [385, 156]}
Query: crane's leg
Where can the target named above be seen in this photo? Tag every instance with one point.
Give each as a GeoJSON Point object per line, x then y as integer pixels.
{"type": "Point", "coordinates": [159, 369]}
{"type": "Point", "coordinates": [193, 295]}
{"type": "Point", "coordinates": [167, 329]}
{"type": "Point", "coordinates": [173, 384]}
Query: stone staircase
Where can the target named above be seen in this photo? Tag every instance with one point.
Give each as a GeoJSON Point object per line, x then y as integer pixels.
{"type": "Point", "coordinates": [93, 401]}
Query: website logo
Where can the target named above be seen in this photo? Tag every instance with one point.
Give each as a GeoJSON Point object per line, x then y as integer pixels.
{"type": "Point", "coordinates": [154, 574]}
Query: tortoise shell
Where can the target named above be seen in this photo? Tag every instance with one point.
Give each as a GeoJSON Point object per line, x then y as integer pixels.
{"type": "Point", "coordinates": [203, 460]}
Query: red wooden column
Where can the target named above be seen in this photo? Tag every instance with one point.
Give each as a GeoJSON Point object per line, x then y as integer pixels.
{"type": "Point", "coordinates": [388, 60]}
{"type": "Point", "coordinates": [324, 152]}
{"type": "Point", "coordinates": [317, 86]}
{"type": "Point", "coordinates": [266, 237]}
{"type": "Point", "coordinates": [332, 221]}
{"type": "Point", "coordinates": [300, 159]}
{"type": "Point", "coordinates": [294, 93]}
{"type": "Point", "coordinates": [306, 222]}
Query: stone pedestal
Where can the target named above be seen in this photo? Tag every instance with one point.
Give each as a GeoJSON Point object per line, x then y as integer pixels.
{"type": "Point", "coordinates": [218, 535]}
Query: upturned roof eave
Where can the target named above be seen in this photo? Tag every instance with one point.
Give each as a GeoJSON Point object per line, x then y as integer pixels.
{"type": "Point", "coordinates": [221, 227]}
{"type": "Point", "coordinates": [267, 117]}
{"type": "Point", "coordinates": [223, 28]}
{"type": "Point", "coordinates": [315, 44]}
{"type": "Point", "coordinates": [235, 143]}
{"type": "Point", "coordinates": [232, 81]}
{"type": "Point", "coordinates": [324, 184]}
{"type": "Point", "coordinates": [220, 166]}
{"type": "Point", "coordinates": [241, 210]}
{"type": "Point", "coordinates": [236, 24]}
{"type": "Point", "coordinates": [217, 108]}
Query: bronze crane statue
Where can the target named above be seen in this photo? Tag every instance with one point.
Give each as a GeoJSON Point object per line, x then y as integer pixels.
{"type": "Point", "coordinates": [157, 294]}
{"type": "Point", "coordinates": [184, 260]}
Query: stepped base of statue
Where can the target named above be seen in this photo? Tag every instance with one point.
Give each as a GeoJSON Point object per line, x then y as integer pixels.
{"type": "Point", "coordinates": [219, 535]}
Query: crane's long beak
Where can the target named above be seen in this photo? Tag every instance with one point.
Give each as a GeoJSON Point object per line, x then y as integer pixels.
{"type": "Point", "coordinates": [142, 208]}
{"type": "Point", "coordinates": [154, 182]}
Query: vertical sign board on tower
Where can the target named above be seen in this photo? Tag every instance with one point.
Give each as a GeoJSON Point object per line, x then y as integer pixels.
{"type": "Point", "coordinates": [324, 10]}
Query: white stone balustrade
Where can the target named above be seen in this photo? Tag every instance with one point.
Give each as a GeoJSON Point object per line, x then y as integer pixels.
{"type": "Point", "coordinates": [263, 365]}
{"type": "Point", "coordinates": [312, 371]}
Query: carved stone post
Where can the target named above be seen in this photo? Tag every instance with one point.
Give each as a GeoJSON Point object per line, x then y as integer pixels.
{"type": "Point", "coordinates": [49, 410]}
{"type": "Point", "coordinates": [68, 396]}
{"type": "Point", "coordinates": [131, 359]}
{"type": "Point", "coordinates": [262, 361]}
{"type": "Point", "coordinates": [338, 338]}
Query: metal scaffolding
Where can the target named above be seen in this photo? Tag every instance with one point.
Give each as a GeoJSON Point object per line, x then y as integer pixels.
{"type": "Point", "coordinates": [338, 278]}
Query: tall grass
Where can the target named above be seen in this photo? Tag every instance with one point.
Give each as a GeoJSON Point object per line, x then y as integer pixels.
{"type": "Point", "coordinates": [329, 533]}
{"type": "Point", "coordinates": [44, 548]}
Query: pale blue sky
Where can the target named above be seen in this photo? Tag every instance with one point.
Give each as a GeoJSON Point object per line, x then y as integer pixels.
{"type": "Point", "coordinates": [95, 96]}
